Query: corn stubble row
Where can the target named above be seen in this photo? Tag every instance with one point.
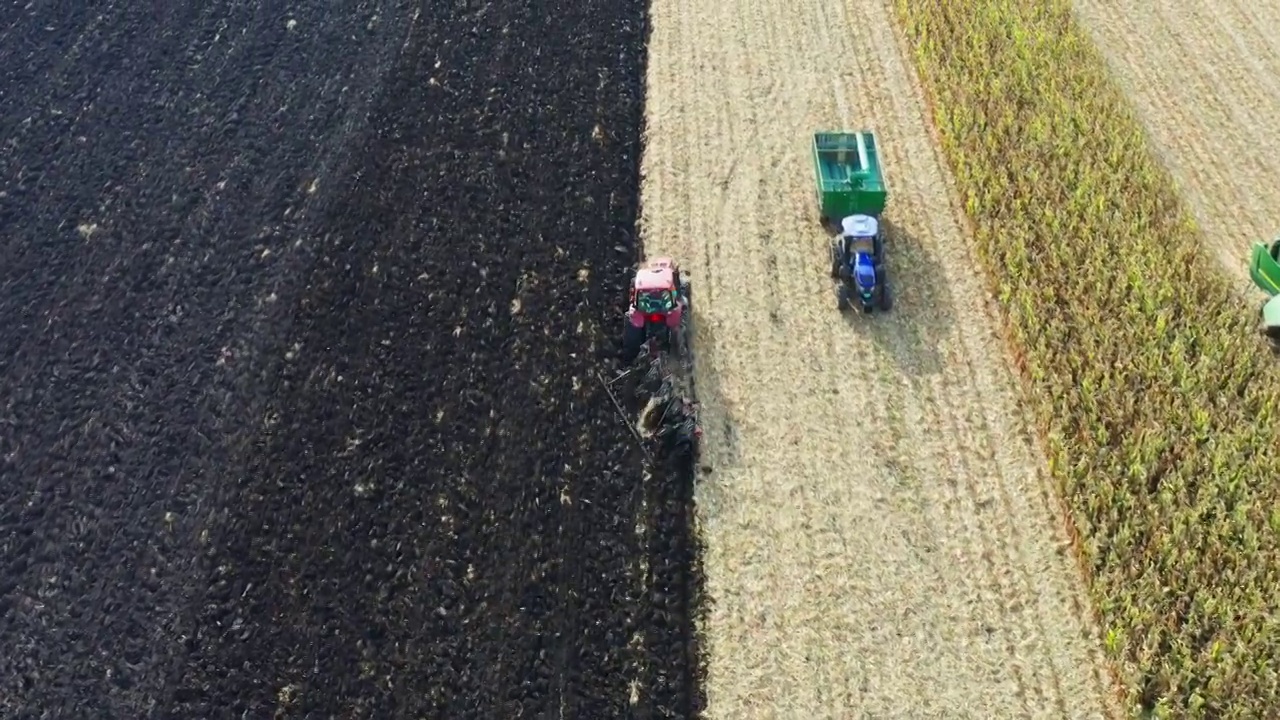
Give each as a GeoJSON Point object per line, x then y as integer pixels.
{"type": "Point", "coordinates": [1155, 395]}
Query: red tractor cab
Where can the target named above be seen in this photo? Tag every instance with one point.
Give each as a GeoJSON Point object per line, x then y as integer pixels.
{"type": "Point", "coordinates": [657, 308]}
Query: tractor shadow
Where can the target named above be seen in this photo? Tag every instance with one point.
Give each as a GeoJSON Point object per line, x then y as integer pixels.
{"type": "Point", "coordinates": [720, 448]}
{"type": "Point", "coordinates": [923, 312]}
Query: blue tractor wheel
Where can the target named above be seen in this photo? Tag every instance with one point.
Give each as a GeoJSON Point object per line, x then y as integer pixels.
{"type": "Point", "coordinates": [885, 299]}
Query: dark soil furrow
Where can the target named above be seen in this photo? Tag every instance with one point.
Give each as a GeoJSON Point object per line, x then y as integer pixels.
{"type": "Point", "coordinates": [298, 413]}
{"type": "Point", "coordinates": [674, 685]}
{"type": "Point", "coordinates": [137, 311]}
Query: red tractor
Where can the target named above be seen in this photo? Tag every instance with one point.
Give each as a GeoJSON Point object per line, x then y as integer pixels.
{"type": "Point", "coordinates": [658, 316]}
{"type": "Point", "coordinates": [659, 310]}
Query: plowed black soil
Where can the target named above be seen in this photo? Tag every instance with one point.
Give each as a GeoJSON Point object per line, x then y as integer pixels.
{"type": "Point", "coordinates": [299, 311]}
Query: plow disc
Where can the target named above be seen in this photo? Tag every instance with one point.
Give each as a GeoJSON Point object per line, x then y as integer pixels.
{"type": "Point", "coordinates": [667, 421]}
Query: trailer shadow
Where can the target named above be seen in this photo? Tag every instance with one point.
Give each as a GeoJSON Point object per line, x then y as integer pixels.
{"type": "Point", "coordinates": [923, 312]}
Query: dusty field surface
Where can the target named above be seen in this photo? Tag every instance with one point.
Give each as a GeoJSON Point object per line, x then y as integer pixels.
{"type": "Point", "coordinates": [296, 414]}
{"type": "Point", "coordinates": [880, 539]}
{"type": "Point", "coordinates": [1205, 78]}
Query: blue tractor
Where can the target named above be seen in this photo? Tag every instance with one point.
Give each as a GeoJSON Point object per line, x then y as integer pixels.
{"type": "Point", "coordinates": [857, 264]}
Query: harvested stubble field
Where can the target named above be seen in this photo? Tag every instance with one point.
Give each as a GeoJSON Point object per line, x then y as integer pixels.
{"type": "Point", "coordinates": [1204, 77]}
{"type": "Point", "coordinates": [296, 414]}
{"type": "Point", "coordinates": [1156, 397]}
{"type": "Point", "coordinates": [880, 538]}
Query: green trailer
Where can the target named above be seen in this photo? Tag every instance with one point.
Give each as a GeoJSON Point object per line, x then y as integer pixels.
{"type": "Point", "coordinates": [1264, 268]}
{"type": "Point", "coordinates": [849, 179]}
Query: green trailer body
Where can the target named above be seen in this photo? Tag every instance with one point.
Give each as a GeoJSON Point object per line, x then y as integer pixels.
{"type": "Point", "coordinates": [1264, 268]}
{"type": "Point", "coordinates": [848, 175]}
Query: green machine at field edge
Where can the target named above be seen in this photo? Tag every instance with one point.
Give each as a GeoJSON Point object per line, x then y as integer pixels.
{"type": "Point", "coordinates": [1264, 268]}
{"type": "Point", "coordinates": [848, 175]}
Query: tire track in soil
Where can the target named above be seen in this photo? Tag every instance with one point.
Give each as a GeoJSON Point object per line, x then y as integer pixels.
{"type": "Point", "coordinates": [969, 502]}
